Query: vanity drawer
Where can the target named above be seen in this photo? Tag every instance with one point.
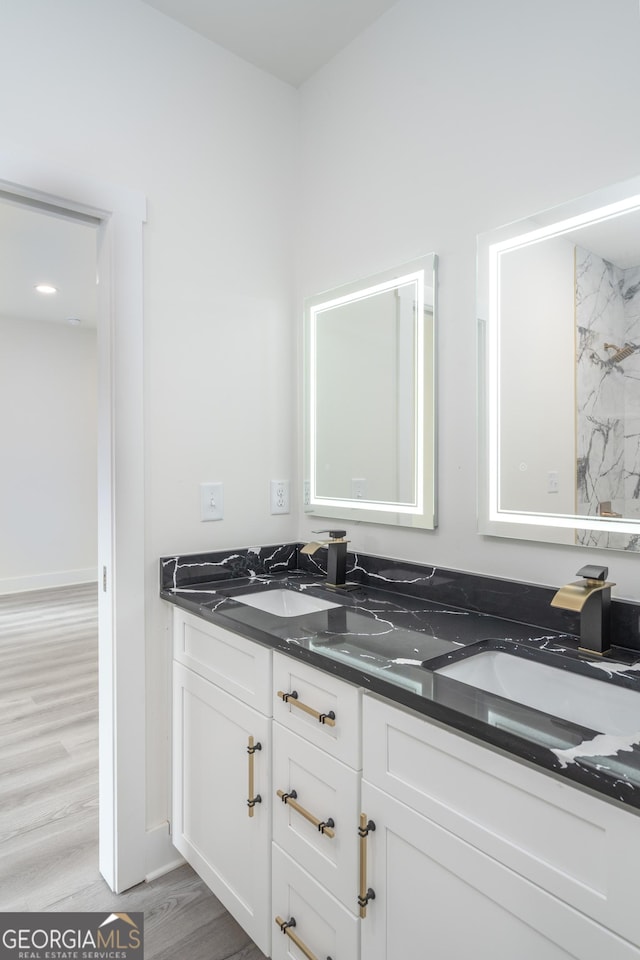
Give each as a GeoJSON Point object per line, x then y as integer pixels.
{"type": "Point", "coordinates": [327, 790]}
{"type": "Point", "coordinates": [321, 923]}
{"type": "Point", "coordinates": [239, 666]}
{"type": "Point", "coordinates": [318, 695]}
{"type": "Point", "coordinates": [569, 843]}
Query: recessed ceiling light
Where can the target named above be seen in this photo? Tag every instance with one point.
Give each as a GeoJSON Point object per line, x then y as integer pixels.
{"type": "Point", "coordinates": [46, 288]}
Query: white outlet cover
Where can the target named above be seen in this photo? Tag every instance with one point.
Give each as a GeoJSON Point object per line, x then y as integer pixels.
{"type": "Point", "coordinates": [211, 501]}
{"type": "Point", "coordinates": [358, 488]}
{"type": "Point", "coordinates": [279, 496]}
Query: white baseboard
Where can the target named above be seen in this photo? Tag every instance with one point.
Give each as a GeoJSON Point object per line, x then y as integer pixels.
{"type": "Point", "coordinates": [160, 854]}
{"type": "Point", "coordinates": [43, 581]}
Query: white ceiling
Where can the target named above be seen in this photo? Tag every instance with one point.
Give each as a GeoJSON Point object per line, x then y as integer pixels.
{"type": "Point", "coordinates": [290, 39]}
{"type": "Point", "coordinates": [37, 247]}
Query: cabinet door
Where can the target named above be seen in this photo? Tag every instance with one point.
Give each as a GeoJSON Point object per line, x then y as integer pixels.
{"type": "Point", "coordinates": [327, 790]}
{"type": "Point", "coordinates": [240, 666]}
{"type": "Point", "coordinates": [318, 695]}
{"type": "Point", "coordinates": [574, 845]}
{"type": "Point", "coordinates": [438, 896]}
{"type": "Point", "coordinates": [212, 825]}
{"type": "Point", "coordinates": [321, 927]}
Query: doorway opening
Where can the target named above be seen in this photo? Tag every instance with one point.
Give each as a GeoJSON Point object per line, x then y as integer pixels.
{"type": "Point", "coordinates": [118, 216]}
{"type": "Point", "coordinates": [48, 385]}
{"type": "Point", "coordinates": [49, 559]}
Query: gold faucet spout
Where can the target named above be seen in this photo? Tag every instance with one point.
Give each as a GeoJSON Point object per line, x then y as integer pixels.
{"type": "Point", "coordinates": [313, 546]}
{"type": "Point", "coordinates": [573, 596]}
{"type": "Point", "coordinates": [335, 537]}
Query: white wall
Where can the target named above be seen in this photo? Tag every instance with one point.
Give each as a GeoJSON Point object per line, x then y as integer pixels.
{"type": "Point", "coordinates": [442, 121]}
{"type": "Point", "coordinates": [48, 481]}
{"type": "Point", "coordinates": [120, 93]}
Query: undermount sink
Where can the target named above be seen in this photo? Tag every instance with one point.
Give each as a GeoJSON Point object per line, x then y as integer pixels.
{"type": "Point", "coordinates": [588, 701]}
{"type": "Point", "coordinates": [285, 603]}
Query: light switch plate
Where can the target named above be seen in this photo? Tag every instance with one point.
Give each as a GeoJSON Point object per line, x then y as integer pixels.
{"type": "Point", "coordinates": [211, 501]}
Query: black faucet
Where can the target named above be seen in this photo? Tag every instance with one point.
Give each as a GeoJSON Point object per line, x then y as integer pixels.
{"type": "Point", "coordinates": [591, 598]}
{"type": "Point", "coordinates": [336, 556]}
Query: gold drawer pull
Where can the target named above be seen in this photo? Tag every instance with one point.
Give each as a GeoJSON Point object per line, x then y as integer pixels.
{"type": "Point", "coordinates": [251, 802]}
{"type": "Point", "coordinates": [324, 826]}
{"type": "Point", "coordinates": [365, 895]}
{"type": "Point", "coordinates": [292, 698]}
{"type": "Point", "coordinates": [286, 927]}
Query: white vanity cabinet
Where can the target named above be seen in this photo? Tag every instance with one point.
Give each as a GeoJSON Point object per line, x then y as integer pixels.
{"type": "Point", "coordinates": [316, 747]}
{"type": "Point", "coordinates": [471, 854]}
{"type": "Point", "coordinates": [222, 767]}
{"type": "Point", "coordinates": [475, 855]}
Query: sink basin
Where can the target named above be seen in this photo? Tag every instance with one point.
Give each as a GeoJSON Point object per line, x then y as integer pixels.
{"type": "Point", "coordinates": [590, 702]}
{"type": "Point", "coordinates": [285, 603]}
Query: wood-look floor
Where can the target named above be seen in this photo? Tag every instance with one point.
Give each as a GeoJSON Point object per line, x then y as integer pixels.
{"type": "Point", "coordinates": [49, 786]}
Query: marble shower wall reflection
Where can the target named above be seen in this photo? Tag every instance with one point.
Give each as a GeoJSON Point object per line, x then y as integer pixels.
{"type": "Point", "coordinates": [607, 395]}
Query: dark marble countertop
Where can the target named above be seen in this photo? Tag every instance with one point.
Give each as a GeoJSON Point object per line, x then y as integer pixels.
{"type": "Point", "coordinates": [394, 644]}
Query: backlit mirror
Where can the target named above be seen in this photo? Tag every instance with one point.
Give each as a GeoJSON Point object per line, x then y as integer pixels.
{"type": "Point", "coordinates": [370, 399]}
{"type": "Point", "coordinates": [559, 308]}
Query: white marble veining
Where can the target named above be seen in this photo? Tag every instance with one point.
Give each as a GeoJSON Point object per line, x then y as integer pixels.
{"type": "Point", "coordinates": [265, 564]}
{"type": "Point", "coordinates": [393, 580]}
{"type": "Point", "coordinates": [607, 394]}
{"type": "Point", "coordinates": [602, 745]}
{"type": "Point", "coordinates": [611, 668]}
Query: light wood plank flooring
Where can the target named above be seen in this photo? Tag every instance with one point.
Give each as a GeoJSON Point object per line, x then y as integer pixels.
{"type": "Point", "coordinates": [49, 784]}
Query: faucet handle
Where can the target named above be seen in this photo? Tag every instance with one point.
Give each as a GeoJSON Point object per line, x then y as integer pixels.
{"type": "Point", "coordinates": [334, 534]}
{"type": "Point", "coordinates": [593, 572]}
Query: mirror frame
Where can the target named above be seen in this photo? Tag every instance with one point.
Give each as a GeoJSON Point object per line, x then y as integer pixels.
{"type": "Point", "coordinates": [604, 204]}
{"type": "Point", "coordinates": [421, 513]}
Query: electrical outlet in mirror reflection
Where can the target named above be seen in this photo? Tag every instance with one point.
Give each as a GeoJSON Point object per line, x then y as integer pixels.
{"type": "Point", "coordinates": [358, 488]}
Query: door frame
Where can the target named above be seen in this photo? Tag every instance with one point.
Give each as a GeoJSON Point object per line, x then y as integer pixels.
{"type": "Point", "coordinates": [121, 562]}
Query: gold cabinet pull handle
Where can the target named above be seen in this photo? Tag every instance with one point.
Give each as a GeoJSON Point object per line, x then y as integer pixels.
{"type": "Point", "coordinates": [366, 827]}
{"type": "Point", "coordinates": [292, 698]}
{"type": "Point", "coordinates": [324, 826]}
{"type": "Point", "coordinates": [251, 802]}
{"type": "Point", "coordinates": [286, 928]}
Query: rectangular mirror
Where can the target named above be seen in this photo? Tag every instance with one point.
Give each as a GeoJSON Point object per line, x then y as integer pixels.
{"type": "Point", "coordinates": [370, 398]}
{"type": "Point", "coordinates": [559, 309]}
